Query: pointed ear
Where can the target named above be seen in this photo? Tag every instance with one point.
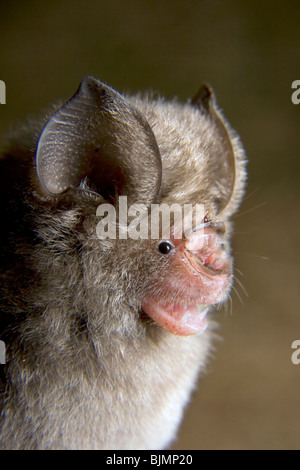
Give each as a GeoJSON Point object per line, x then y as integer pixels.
{"type": "Point", "coordinates": [224, 164]}
{"type": "Point", "coordinates": [98, 134]}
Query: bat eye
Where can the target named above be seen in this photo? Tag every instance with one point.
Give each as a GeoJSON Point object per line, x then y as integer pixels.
{"type": "Point", "coordinates": [165, 247]}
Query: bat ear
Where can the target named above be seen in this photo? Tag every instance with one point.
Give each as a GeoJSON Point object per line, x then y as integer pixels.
{"type": "Point", "coordinates": [204, 99]}
{"type": "Point", "coordinates": [223, 166]}
{"type": "Point", "coordinates": [100, 136]}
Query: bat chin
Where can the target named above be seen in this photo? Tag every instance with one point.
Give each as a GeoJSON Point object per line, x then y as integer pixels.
{"type": "Point", "coordinates": [181, 320]}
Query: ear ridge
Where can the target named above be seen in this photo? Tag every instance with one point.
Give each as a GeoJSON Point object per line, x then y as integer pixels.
{"type": "Point", "coordinates": [100, 135]}
{"type": "Point", "coordinates": [224, 169]}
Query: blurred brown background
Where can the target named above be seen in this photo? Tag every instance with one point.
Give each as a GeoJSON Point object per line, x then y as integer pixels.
{"type": "Point", "coordinates": [250, 53]}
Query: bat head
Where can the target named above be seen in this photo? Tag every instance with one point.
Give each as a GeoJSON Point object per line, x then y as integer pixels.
{"type": "Point", "coordinates": [100, 147]}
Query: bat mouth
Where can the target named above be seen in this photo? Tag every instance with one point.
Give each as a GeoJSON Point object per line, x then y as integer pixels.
{"type": "Point", "coordinates": [181, 320]}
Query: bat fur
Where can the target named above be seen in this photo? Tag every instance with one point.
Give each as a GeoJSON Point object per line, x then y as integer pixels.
{"type": "Point", "coordinates": [86, 368]}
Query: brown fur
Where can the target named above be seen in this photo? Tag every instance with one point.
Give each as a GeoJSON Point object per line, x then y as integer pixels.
{"type": "Point", "coordinates": [85, 368]}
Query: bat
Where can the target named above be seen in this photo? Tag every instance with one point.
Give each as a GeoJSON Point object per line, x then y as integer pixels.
{"type": "Point", "coordinates": [107, 326]}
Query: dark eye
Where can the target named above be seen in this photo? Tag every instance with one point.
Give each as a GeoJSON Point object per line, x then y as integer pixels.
{"type": "Point", "coordinates": [206, 219]}
{"type": "Point", "coordinates": [165, 247]}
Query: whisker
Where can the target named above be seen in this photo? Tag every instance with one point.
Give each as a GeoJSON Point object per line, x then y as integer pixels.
{"type": "Point", "coordinates": [242, 286]}
{"type": "Point", "coordinates": [239, 271]}
{"type": "Point", "coordinates": [226, 307]}
{"type": "Point", "coordinates": [239, 214]}
{"type": "Point", "coordinates": [238, 295]}
{"type": "Point", "coordinates": [252, 193]}
{"type": "Point", "coordinates": [231, 305]}
{"type": "Point", "coordinates": [265, 258]}
{"type": "Point", "coordinates": [229, 302]}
